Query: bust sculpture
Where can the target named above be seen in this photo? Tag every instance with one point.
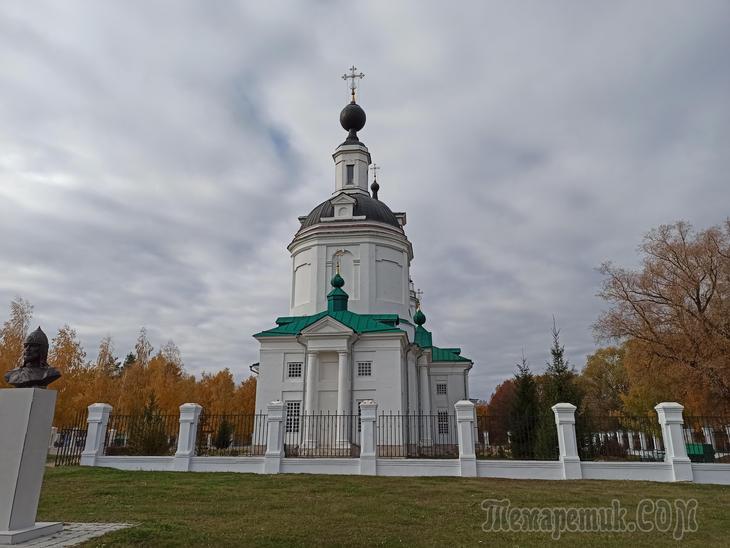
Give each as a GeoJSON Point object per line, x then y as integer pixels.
{"type": "Point", "coordinates": [34, 371]}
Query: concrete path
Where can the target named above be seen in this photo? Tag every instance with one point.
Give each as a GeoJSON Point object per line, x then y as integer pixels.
{"type": "Point", "coordinates": [75, 533]}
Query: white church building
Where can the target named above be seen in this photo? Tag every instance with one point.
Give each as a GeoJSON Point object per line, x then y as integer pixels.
{"type": "Point", "coordinates": [355, 330]}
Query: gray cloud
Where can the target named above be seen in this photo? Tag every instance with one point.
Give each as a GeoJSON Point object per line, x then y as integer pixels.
{"type": "Point", "coordinates": [154, 158]}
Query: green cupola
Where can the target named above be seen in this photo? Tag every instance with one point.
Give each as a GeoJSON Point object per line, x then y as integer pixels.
{"type": "Point", "coordinates": [337, 298]}
{"type": "Point", "coordinates": [419, 317]}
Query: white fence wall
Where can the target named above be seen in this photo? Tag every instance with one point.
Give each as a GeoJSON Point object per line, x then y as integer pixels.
{"type": "Point", "coordinates": [676, 465]}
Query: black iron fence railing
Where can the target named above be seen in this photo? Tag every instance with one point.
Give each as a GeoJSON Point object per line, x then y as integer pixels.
{"type": "Point", "coordinates": [144, 434]}
{"type": "Point", "coordinates": [417, 436]}
{"type": "Point", "coordinates": [707, 438]}
{"type": "Point", "coordinates": [69, 441]}
{"type": "Point", "coordinates": [231, 435]}
{"type": "Point", "coordinates": [619, 437]}
{"type": "Point", "coordinates": [322, 435]}
{"type": "Point", "coordinates": [517, 437]}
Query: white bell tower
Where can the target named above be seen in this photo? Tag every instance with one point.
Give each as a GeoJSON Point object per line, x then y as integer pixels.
{"type": "Point", "coordinates": [355, 230]}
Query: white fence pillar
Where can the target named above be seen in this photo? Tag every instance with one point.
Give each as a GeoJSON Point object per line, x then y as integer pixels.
{"type": "Point", "coordinates": [97, 421]}
{"type": "Point", "coordinates": [565, 423]}
{"type": "Point", "coordinates": [187, 436]}
{"type": "Point", "coordinates": [368, 438]}
{"type": "Point", "coordinates": [465, 430]}
{"type": "Point", "coordinates": [274, 437]}
{"type": "Point", "coordinates": [671, 421]}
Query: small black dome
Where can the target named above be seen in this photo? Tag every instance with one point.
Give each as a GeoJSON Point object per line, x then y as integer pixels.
{"type": "Point", "coordinates": [373, 210]}
{"type": "Point", "coordinates": [352, 117]}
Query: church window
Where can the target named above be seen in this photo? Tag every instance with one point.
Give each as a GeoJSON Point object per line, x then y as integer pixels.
{"type": "Point", "coordinates": [294, 370]}
{"type": "Point", "coordinates": [350, 172]}
{"type": "Point", "coordinates": [364, 369]}
{"type": "Point", "coordinates": [441, 388]}
{"type": "Point", "coordinates": [443, 421]}
{"type": "Point", "coordinates": [293, 410]}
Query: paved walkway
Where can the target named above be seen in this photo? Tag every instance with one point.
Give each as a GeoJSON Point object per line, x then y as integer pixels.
{"type": "Point", "coordinates": [75, 533]}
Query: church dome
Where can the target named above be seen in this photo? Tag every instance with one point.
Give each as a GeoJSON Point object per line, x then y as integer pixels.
{"type": "Point", "coordinates": [352, 117]}
{"type": "Point", "coordinates": [373, 210]}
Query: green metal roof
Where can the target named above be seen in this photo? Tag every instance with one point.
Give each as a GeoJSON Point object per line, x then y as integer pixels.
{"type": "Point", "coordinates": [359, 323]}
{"type": "Point", "coordinates": [364, 323]}
{"type": "Point", "coordinates": [423, 337]}
{"type": "Point", "coordinates": [446, 355]}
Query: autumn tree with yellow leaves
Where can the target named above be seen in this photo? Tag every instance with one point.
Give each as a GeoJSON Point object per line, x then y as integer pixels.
{"type": "Point", "coordinates": [145, 375]}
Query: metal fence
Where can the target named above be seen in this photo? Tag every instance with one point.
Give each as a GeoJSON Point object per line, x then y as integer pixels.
{"type": "Point", "coordinates": [619, 437]}
{"type": "Point", "coordinates": [231, 435]}
{"type": "Point", "coordinates": [322, 435]}
{"type": "Point", "coordinates": [417, 436]}
{"type": "Point", "coordinates": [517, 437]}
{"type": "Point", "coordinates": [146, 434]}
{"type": "Point", "coordinates": [707, 438]}
{"type": "Point", "coordinates": [69, 441]}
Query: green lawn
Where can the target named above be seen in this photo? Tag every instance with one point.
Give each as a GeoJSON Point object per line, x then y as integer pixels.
{"type": "Point", "coordinates": [216, 509]}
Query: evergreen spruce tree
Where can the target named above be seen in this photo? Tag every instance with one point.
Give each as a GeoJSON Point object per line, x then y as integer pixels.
{"type": "Point", "coordinates": [524, 413]}
{"type": "Point", "coordinates": [559, 386]}
{"type": "Point", "coordinates": [148, 435]}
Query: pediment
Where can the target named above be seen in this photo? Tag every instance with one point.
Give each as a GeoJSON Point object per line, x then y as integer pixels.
{"type": "Point", "coordinates": [327, 326]}
{"type": "Point", "coordinates": [342, 199]}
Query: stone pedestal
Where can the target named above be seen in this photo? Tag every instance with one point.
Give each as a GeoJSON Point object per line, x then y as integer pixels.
{"type": "Point", "coordinates": [26, 415]}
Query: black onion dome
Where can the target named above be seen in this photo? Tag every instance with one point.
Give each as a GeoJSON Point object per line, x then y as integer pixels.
{"type": "Point", "coordinates": [352, 117]}
{"type": "Point", "coordinates": [373, 210]}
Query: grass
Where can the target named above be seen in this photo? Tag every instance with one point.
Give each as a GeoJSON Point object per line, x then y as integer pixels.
{"type": "Point", "coordinates": [222, 509]}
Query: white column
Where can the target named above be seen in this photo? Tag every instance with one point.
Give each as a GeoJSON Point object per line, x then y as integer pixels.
{"type": "Point", "coordinates": [310, 390]}
{"type": "Point", "coordinates": [343, 399]}
{"type": "Point", "coordinates": [425, 390]}
{"type": "Point", "coordinates": [187, 436]}
{"type": "Point", "coordinates": [368, 440]}
{"type": "Point", "coordinates": [465, 431]}
{"type": "Point", "coordinates": [26, 415]}
{"type": "Point", "coordinates": [97, 421]}
{"type": "Point", "coordinates": [310, 402]}
{"type": "Point", "coordinates": [642, 441]}
{"type": "Point", "coordinates": [671, 421]}
{"type": "Point", "coordinates": [565, 423]}
{"type": "Point", "coordinates": [274, 437]}
{"type": "Point", "coordinates": [343, 383]}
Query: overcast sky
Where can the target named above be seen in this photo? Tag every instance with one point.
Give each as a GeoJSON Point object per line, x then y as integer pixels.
{"type": "Point", "coordinates": [154, 157]}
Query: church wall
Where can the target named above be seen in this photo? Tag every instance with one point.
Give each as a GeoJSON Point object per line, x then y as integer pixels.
{"type": "Point", "coordinates": [453, 377]}
{"type": "Point", "coordinates": [385, 384]}
{"type": "Point", "coordinates": [328, 370]}
{"type": "Point", "coordinates": [303, 270]}
{"type": "Point", "coordinates": [272, 383]}
{"type": "Point", "coordinates": [374, 263]}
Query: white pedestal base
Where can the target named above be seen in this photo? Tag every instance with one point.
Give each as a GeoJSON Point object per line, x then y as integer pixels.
{"type": "Point", "coordinates": [40, 529]}
{"type": "Point", "coordinates": [25, 426]}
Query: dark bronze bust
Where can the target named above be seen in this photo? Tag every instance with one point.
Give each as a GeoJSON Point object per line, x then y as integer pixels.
{"type": "Point", "coordinates": [34, 371]}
